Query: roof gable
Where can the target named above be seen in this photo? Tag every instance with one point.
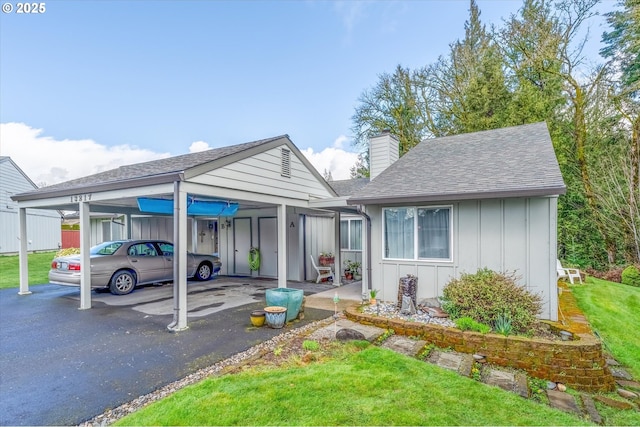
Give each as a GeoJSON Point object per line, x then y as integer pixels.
{"type": "Point", "coordinates": [516, 161]}
{"type": "Point", "coordinates": [175, 168]}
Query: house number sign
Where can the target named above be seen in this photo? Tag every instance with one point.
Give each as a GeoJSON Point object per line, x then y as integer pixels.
{"type": "Point", "coordinates": [81, 197]}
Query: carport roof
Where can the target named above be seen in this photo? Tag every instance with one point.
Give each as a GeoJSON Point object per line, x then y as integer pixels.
{"type": "Point", "coordinates": [160, 171]}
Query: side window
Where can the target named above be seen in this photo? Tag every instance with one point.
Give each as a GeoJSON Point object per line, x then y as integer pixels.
{"type": "Point", "coordinates": [166, 248]}
{"type": "Point", "coordinates": [149, 250]}
{"type": "Point", "coordinates": [142, 249]}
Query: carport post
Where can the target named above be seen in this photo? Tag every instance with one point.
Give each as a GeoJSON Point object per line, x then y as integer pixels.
{"type": "Point", "coordinates": [282, 245]}
{"type": "Point", "coordinates": [179, 259]}
{"type": "Point", "coordinates": [23, 258]}
{"type": "Point", "coordinates": [337, 260]}
{"type": "Point", "coordinates": [85, 256]}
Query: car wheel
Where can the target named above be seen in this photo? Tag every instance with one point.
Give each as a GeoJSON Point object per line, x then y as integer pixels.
{"type": "Point", "coordinates": [203, 272]}
{"type": "Point", "coordinates": [122, 283]}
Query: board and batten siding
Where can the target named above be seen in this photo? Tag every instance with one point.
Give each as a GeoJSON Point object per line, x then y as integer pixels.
{"type": "Point", "coordinates": [43, 225]}
{"type": "Point", "coordinates": [505, 235]}
{"type": "Point", "coordinates": [319, 237]}
{"type": "Point", "coordinates": [261, 173]}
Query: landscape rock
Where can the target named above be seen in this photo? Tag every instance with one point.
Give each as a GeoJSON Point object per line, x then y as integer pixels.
{"type": "Point", "coordinates": [563, 401]}
{"type": "Point", "coordinates": [347, 334]}
{"type": "Point", "coordinates": [627, 394]}
{"type": "Point", "coordinates": [591, 409]}
{"type": "Point", "coordinates": [618, 404]}
{"type": "Point", "coordinates": [437, 312]}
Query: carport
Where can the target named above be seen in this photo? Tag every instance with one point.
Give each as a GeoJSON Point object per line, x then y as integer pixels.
{"type": "Point", "coordinates": [269, 174]}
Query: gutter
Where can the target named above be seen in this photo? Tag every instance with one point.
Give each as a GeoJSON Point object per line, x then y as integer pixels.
{"type": "Point", "coordinates": [98, 187]}
{"type": "Point", "coordinates": [448, 197]}
{"type": "Point", "coordinates": [368, 218]}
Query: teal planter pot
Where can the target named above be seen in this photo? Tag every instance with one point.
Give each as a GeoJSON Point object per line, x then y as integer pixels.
{"type": "Point", "coordinates": [285, 297]}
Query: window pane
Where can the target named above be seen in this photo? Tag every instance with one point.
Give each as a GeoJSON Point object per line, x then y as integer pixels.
{"type": "Point", "coordinates": [434, 233]}
{"type": "Point", "coordinates": [398, 233]}
{"type": "Point", "coordinates": [344, 234]}
{"type": "Point", "coordinates": [356, 235]}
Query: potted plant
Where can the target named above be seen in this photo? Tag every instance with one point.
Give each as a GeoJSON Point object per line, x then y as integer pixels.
{"type": "Point", "coordinates": [348, 271]}
{"type": "Point", "coordinates": [372, 296]}
{"type": "Point", "coordinates": [355, 269]}
{"type": "Point", "coordinates": [326, 259]}
{"type": "Point", "coordinates": [352, 270]}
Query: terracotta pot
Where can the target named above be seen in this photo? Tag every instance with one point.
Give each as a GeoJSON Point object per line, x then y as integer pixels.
{"type": "Point", "coordinates": [326, 261]}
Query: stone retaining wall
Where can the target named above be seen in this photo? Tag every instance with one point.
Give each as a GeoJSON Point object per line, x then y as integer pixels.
{"type": "Point", "coordinates": [579, 364]}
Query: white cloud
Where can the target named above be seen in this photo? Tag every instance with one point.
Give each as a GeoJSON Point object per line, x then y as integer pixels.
{"type": "Point", "coordinates": [339, 142]}
{"type": "Point", "coordinates": [48, 161]}
{"type": "Point", "coordinates": [334, 159]}
{"type": "Point", "coordinates": [198, 146]}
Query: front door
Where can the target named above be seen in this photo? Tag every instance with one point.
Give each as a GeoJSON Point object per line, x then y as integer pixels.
{"type": "Point", "coordinates": [241, 245]}
{"type": "Point", "coordinates": [268, 241]}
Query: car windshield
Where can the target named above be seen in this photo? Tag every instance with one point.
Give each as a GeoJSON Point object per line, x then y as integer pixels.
{"type": "Point", "coordinates": [106, 248]}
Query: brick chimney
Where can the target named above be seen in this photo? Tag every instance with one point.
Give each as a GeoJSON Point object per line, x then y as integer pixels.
{"type": "Point", "coordinates": [383, 152]}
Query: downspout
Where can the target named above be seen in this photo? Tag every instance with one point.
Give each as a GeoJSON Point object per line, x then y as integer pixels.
{"type": "Point", "coordinates": [176, 293]}
{"type": "Point", "coordinates": [368, 231]}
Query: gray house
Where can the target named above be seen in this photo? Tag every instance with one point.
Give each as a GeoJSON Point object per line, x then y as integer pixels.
{"type": "Point", "coordinates": [451, 205]}
{"type": "Point", "coordinates": [44, 225]}
{"type": "Point", "coordinates": [459, 203]}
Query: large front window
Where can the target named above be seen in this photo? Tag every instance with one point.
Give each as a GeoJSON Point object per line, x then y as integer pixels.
{"type": "Point", "coordinates": [417, 233]}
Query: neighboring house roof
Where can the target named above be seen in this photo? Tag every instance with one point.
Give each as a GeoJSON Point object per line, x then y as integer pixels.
{"type": "Point", "coordinates": [20, 171]}
{"type": "Point", "coordinates": [348, 187]}
{"type": "Point", "coordinates": [166, 170]}
{"type": "Point", "coordinates": [517, 161]}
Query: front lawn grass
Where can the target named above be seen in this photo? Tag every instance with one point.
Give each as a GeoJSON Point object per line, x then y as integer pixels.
{"type": "Point", "coordinates": [613, 310]}
{"type": "Point", "coordinates": [39, 266]}
{"type": "Point", "coordinates": [374, 386]}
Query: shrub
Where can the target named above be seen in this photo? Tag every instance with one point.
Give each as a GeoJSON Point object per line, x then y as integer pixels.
{"type": "Point", "coordinates": [486, 295]}
{"type": "Point", "coordinates": [468, 324]}
{"type": "Point", "coordinates": [631, 276]}
{"type": "Point", "coordinates": [613, 275]}
{"type": "Point", "coordinates": [68, 251]}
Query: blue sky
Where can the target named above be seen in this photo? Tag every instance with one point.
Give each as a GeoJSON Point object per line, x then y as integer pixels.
{"type": "Point", "coordinates": [90, 85]}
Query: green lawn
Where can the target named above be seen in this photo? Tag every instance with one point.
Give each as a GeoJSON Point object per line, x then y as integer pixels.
{"type": "Point", "coordinates": [613, 310]}
{"type": "Point", "coordinates": [39, 265]}
{"type": "Point", "coordinates": [374, 386]}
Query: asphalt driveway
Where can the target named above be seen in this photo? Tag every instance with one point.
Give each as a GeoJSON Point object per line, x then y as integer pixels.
{"type": "Point", "coordinates": [61, 366]}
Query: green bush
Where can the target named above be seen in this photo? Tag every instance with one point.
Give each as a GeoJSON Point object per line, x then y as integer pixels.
{"type": "Point", "coordinates": [631, 276]}
{"type": "Point", "coordinates": [468, 324]}
{"type": "Point", "coordinates": [486, 295]}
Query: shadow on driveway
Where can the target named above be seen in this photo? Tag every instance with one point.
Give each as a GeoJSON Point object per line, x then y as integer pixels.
{"type": "Point", "coordinates": [61, 366]}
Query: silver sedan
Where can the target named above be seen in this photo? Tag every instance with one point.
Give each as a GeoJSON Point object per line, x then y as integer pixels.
{"type": "Point", "coordinates": [123, 264]}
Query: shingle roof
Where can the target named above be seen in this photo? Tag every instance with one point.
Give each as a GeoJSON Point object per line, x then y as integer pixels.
{"type": "Point", "coordinates": [169, 165]}
{"type": "Point", "coordinates": [517, 161]}
{"type": "Point", "coordinates": [348, 187]}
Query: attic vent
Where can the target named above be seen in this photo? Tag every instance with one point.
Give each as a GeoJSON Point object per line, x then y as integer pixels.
{"type": "Point", "coordinates": [285, 163]}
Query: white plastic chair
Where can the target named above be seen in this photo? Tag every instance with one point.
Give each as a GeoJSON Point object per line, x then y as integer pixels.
{"type": "Point", "coordinates": [323, 272]}
{"type": "Point", "coordinates": [571, 273]}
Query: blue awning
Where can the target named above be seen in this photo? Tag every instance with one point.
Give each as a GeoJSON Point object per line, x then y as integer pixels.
{"type": "Point", "coordinates": [194, 207]}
